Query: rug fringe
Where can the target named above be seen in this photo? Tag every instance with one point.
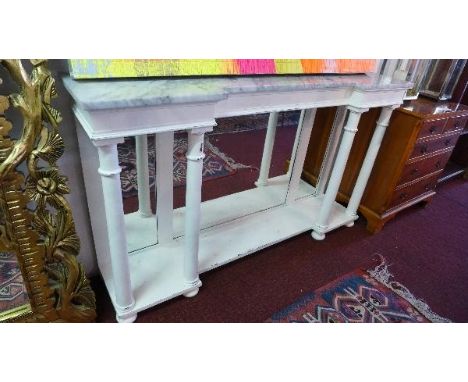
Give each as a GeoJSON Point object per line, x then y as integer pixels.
{"type": "Point", "coordinates": [231, 162]}
{"type": "Point", "coordinates": [383, 275]}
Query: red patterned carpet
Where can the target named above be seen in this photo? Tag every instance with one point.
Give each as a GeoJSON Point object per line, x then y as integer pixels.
{"type": "Point", "coordinates": [215, 163]}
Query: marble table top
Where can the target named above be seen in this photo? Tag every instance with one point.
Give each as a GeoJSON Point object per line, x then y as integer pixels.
{"type": "Point", "coordinates": [117, 93]}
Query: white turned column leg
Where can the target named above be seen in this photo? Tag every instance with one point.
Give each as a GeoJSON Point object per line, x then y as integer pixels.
{"type": "Point", "coordinates": [369, 160]}
{"type": "Point", "coordinates": [321, 225]}
{"type": "Point", "coordinates": [164, 185]}
{"type": "Point", "coordinates": [195, 157]}
{"type": "Point", "coordinates": [297, 160]}
{"type": "Point", "coordinates": [109, 170]}
{"type": "Point", "coordinates": [144, 203]}
{"type": "Point", "coordinates": [267, 150]}
{"type": "Point", "coordinates": [330, 152]}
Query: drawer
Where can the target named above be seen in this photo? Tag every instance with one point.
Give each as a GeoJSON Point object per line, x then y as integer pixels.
{"type": "Point", "coordinates": [433, 145]}
{"type": "Point", "coordinates": [424, 167]}
{"type": "Point", "coordinates": [456, 123]}
{"type": "Point", "coordinates": [432, 128]}
{"type": "Point", "coordinates": [413, 190]}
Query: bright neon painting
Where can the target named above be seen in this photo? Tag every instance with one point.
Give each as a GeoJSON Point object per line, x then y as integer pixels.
{"type": "Point", "coordinates": [98, 68]}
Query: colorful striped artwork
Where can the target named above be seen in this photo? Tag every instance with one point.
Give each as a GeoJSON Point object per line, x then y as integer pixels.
{"type": "Point", "coordinates": [97, 68]}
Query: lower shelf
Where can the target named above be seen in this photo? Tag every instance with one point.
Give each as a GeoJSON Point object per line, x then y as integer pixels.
{"type": "Point", "coordinates": [142, 231]}
{"type": "Point", "coordinates": [157, 271]}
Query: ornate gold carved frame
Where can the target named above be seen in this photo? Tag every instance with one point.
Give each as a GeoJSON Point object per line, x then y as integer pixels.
{"type": "Point", "coordinates": [36, 221]}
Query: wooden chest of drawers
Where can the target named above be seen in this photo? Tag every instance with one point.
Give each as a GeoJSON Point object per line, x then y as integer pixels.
{"type": "Point", "coordinates": [414, 151]}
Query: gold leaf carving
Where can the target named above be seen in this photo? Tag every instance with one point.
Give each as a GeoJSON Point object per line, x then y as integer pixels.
{"type": "Point", "coordinates": [5, 125]}
{"type": "Point", "coordinates": [44, 238]}
{"type": "Point", "coordinates": [50, 146]}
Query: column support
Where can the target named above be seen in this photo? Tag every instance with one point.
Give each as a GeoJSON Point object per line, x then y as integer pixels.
{"type": "Point", "coordinates": [368, 163]}
{"type": "Point", "coordinates": [321, 225]}
{"type": "Point", "coordinates": [268, 150]}
{"type": "Point", "coordinates": [195, 157]}
{"type": "Point", "coordinates": [164, 185]}
{"type": "Point", "coordinates": [144, 203]}
{"type": "Point", "coordinates": [109, 170]}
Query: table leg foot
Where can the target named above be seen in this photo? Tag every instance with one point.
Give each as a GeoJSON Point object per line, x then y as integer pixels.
{"type": "Point", "coordinates": [126, 319]}
{"type": "Point", "coordinates": [350, 224]}
{"type": "Point", "coordinates": [259, 183]}
{"type": "Point", "coordinates": [318, 235]}
{"type": "Point", "coordinates": [192, 293]}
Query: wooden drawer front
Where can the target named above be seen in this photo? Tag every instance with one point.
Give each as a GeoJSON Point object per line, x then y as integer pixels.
{"type": "Point", "coordinates": [429, 147]}
{"type": "Point", "coordinates": [432, 128]}
{"type": "Point", "coordinates": [456, 123]}
{"type": "Point", "coordinates": [424, 167]}
{"type": "Point", "coordinates": [414, 190]}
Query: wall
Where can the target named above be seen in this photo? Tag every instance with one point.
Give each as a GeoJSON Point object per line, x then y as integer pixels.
{"type": "Point", "coordinates": [70, 161]}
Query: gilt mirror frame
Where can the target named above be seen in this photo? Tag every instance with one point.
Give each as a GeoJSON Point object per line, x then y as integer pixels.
{"type": "Point", "coordinates": [36, 221]}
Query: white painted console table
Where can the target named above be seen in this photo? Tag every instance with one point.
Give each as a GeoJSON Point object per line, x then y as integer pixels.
{"type": "Point", "coordinates": [146, 259]}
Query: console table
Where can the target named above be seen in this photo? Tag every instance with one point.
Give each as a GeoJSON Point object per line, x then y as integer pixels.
{"type": "Point", "coordinates": [146, 259]}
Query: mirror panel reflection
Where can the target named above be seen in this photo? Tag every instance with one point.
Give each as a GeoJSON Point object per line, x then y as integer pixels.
{"type": "Point", "coordinates": [14, 301]}
{"type": "Point", "coordinates": [245, 167]}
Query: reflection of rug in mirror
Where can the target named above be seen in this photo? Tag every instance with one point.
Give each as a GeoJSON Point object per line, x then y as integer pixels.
{"type": "Point", "coordinates": [215, 164]}
{"type": "Point", "coordinates": [12, 290]}
{"type": "Point", "coordinates": [359, 297]}
{"type": "Point", "coordinates": [254, 122]}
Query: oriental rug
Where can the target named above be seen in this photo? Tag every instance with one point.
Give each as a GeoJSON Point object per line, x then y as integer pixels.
{"type": "Point", "coordinates": [12, 290]}
{"type": "Point", "coordinates": [215, 164]}
{"type": "Point", "coordinates": [244, 123]}
{"type": "Point", "coordinates": [359, 297]}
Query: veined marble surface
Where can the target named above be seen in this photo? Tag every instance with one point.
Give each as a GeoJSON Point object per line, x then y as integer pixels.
{"type": "Point", "coordinates": [113, 94]}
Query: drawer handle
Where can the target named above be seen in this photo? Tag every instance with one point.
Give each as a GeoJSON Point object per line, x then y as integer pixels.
{"type": "Point", "coordinates": [427, 187]}
{"type": "Point", "coordinates": [414, 171]}
{"type": "Point", "coordinates": [432, 129]}
{"type": "Point", "coordinates": [456, 126]}
{"type": "Point", "coordinates": [403, 195]}
{"type": "Point", "coordinates": [437, 165]}
{"type": "Point", "coordinates": [447, 142]}
{"type": "Point", "coordinates": [423, 149]}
